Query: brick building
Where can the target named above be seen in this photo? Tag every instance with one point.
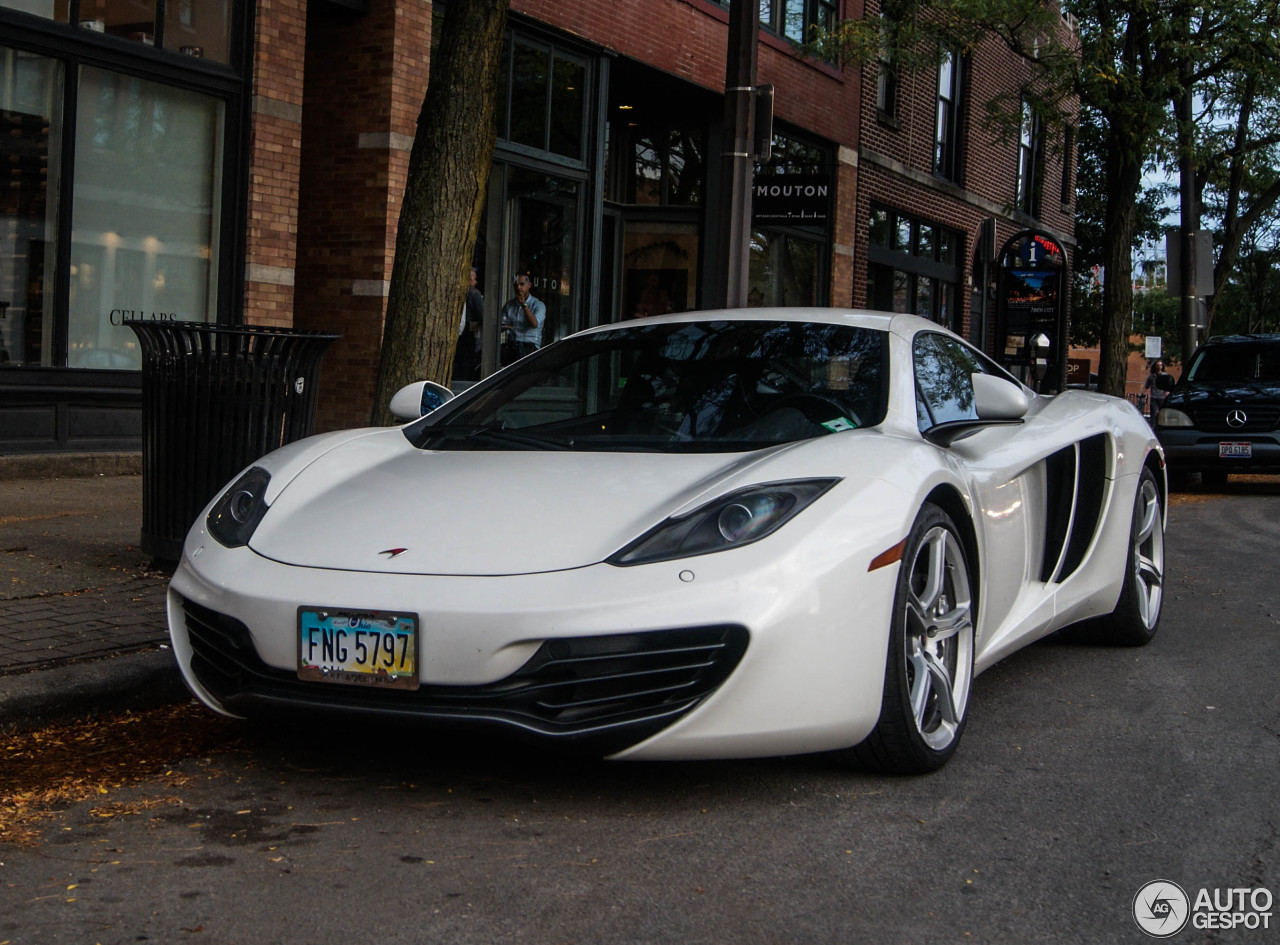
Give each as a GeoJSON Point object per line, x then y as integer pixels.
{"type": "Point", "coordinates": [940, 192]}
{"type": "Point", "coordinates": [205, 160]}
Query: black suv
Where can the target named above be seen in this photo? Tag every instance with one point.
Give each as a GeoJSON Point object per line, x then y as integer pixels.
{"type": "Point", "coordinates": [1222, 416]}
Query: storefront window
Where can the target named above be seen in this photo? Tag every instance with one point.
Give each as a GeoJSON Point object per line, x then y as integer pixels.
{"type": "Point", "coordinates": [31, 127]}
{"type": "Point", "coordinates": [659, 267]}
{"type": "Point", "coordinates": [787, 261]}
{"type": "Point", "coordinates": [144, 213]}
{"type": "Point", "coordinates": [783, 270]}
{"type": "Point", "coordinates": [668, 167]}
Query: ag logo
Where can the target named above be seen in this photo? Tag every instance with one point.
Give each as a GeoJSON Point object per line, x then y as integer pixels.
{"type": "Point", "coordinates": [1161, 908]}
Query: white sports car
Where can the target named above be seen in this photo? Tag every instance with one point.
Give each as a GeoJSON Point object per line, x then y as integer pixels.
{"type": "Point", "coordinates": [713, 535]}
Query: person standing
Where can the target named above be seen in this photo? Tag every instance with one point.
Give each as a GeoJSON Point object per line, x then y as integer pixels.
{"type": "Point", "coordinates": [1158, 384]}
{"type": "Point", "coordinates": [523, 317]}
{"type": "Point", "coordinates": [466, 359]}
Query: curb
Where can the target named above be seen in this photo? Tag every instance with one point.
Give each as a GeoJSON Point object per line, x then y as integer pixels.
{"type": "Point", "coordinates": [141, 680]}
{"type": "Point", "coordinates": [69, 465]}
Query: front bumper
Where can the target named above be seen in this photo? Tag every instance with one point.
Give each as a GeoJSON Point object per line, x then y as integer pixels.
{"type": "Point", "coordinates": [1190, 450]}
{"type": "Point", "coordinates": [765, 650]}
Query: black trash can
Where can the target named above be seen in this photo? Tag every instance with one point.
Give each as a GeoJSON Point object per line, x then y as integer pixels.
{"type": "Point", "coordinates": [214, 399]}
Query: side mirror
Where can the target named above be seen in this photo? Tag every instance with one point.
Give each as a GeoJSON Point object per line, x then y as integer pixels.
{"type": "Point", "coordinates": [419, 399]}
{"type": "Point", "coordinates": [996, 399]}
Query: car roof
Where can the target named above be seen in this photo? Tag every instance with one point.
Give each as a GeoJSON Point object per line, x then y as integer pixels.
{"type": "Point", "coordinates": [1264, 338]}
{"type": "Point", "coordinates": [860, 318]}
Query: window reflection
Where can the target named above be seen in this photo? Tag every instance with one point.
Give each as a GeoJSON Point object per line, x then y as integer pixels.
{"type": "Point", "coordinates": [528, 95]}
{"type": "Point", "coordinates": [50, 9]}
{"type": "Point", "coordinates": [944, 369]}
{"type": "Point", "coordinates": [199, 28]}
{"type": "Point", "coordinates": [143, 216]}
{"type": "Point", "coordinates": [31, 127]}
{"type": "Point", "coordinates": [542, 101]}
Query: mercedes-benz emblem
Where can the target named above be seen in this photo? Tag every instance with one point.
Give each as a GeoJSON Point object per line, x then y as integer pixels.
{"type": "Point", "coordinates": [1237, 418]}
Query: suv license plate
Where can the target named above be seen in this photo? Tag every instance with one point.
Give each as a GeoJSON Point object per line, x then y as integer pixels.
{"type": "Point", "coordinates": [1228, 449]}
{"type": "Point", "coordinates": [358, 648]}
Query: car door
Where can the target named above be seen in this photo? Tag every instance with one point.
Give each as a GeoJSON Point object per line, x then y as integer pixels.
{"type": "Point", "coordinates": [1006, 490]}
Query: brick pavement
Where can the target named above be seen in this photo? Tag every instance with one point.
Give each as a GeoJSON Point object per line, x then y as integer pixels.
{"type": "Point", "coordinates": [73, 584]}
{"type": "Point", "coordinates": [45, 629]}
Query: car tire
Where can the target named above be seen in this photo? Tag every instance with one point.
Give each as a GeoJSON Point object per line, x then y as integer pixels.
{"type": "Point", "coordinates": [929, 663]}
{"type": "Point", "coordinates": [1136, 617]}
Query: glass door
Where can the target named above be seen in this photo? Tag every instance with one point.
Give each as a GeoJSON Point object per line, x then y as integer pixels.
{"type": "Point", "coordinates": [542, 225]}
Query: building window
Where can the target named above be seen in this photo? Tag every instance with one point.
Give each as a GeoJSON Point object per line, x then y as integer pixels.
{"type": "Point", "coordinates": [31, 124]}
{"type": "Point", "coordinates": [665, 165]}
{"type": "Point", "coordinates": [946, 138]}
{"type": "Point", "coordinates": [912, 267]}
{"type": "Point", "coordinates": [796, 19]}
{"type": "Point", "coordinates": [144, 213]}
{"type": "Point", "coordinates": [1030, 162]}
{"type": "Point", "coordinates": [200, 28]}
{"type": "Point", "coordinates": [135, 232]}
{"type": "Point", "coordinates": [542, 100]}
{"type": "Point", "coordinates": [887, 76]}
{"type": "Point", "coordinates": [788, 264]}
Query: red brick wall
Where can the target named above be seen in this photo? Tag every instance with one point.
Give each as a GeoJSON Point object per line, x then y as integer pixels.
{"type": "Point", "coordinates": [687, 38]}
{"type": "Point", "coordinates": [275, 143]}
{"type": "Point", "coordinates": [365, 81]}
{"type": "Point", "coordinates": [989, 164]}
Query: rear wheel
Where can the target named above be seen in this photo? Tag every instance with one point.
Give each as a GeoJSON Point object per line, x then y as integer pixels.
{"type": "Point", "coordinates": [929, 664]}
{"type": "Point", "coordinates": [1137, 615]}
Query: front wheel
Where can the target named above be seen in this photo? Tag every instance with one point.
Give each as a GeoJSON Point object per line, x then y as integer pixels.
{"type": "Point", "coordinates": [1137, 613]}
{"type": "Point", "coordinates": [929, 664]}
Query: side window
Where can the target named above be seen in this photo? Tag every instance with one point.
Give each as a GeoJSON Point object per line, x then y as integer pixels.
{"type": "Point", "coordinates": [944, 391]}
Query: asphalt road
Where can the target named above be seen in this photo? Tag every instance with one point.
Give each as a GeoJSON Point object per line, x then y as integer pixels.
{"type": "Point", "coordinates": [1085, 774]}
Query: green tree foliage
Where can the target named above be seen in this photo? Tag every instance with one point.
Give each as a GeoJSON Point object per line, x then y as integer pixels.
{"type": "Point", "coordinates": [1249, 301]}
{"type": "Point", "coordinates": [1130, 60]}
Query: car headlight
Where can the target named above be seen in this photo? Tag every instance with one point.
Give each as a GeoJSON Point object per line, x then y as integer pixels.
{"type": "Point", "coordinates": [1169, 417]}
{"type": "Point", "coordinates": [729, 522]}
{"type": "Point", "coordinates": [234, 517]}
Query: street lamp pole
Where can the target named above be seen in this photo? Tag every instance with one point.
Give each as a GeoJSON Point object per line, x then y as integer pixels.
{"type": "Point", "coordinates": [737, 159]}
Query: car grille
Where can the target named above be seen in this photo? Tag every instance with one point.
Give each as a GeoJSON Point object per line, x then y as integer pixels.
{"type": "Point", "coordinates": [1261, 419]}
{"type": "Point", "coordinates": [596, 693]}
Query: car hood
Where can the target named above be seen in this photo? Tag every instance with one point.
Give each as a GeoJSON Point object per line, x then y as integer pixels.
{"type": "Point", "coordinates": [373, 505]}
{"type": "Point", "coordinates": [1204, 395]}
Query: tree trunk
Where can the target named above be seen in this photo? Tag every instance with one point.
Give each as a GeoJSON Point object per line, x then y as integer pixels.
{"type": "Point", "coordinates": [1124, 180]}
{"type": "Point", "coordinates": [443, 201]}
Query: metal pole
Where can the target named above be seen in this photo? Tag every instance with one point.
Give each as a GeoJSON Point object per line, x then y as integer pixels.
{"type": "Point", "coordinates": [1190, 215]}
{"type": "Point", "coordinates": [737, 158]}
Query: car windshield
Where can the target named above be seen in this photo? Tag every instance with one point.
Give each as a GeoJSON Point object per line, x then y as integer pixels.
{"type": "Point", "coordinates": [1237, 363]}
{"type": "Point", "coordinates": [715, 386]}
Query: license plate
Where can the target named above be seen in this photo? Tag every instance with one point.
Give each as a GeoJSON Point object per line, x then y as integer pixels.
{"type": "Point", "coordinates": [358, 648]}
{"type": "Point", "coordinates": [1228, 449]}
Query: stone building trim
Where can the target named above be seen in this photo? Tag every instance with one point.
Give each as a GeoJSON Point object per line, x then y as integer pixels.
{"type": "Point", "coordinates": [989, 207]}
{"type": "Point", "coordinates": [271, 275]}
{"type": "Point", "coordinates": [384, 141]}
{"type": "Point", "coordinates": [275, 108]}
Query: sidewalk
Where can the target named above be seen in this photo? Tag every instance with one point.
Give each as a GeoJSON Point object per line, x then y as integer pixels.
{"type": "Point", "coordinates": [82, 609]}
